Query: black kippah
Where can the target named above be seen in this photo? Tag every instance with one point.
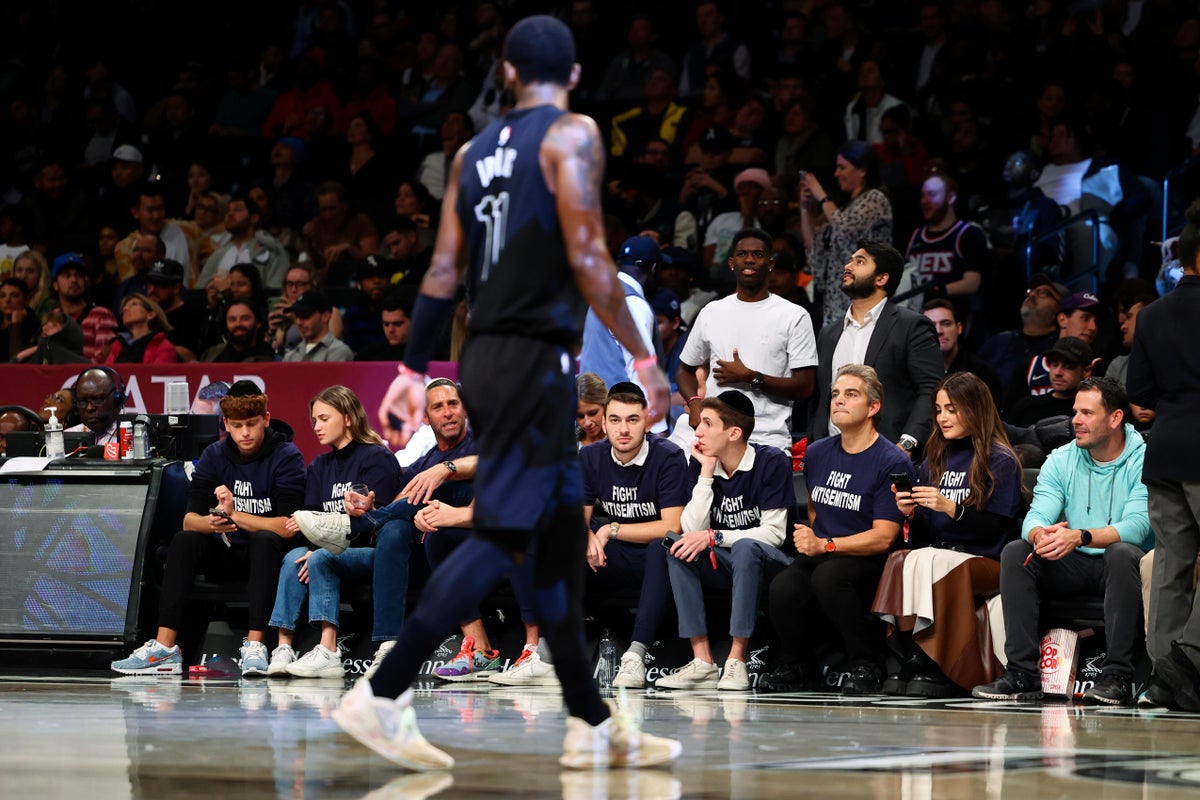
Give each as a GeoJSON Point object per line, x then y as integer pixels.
{"type": "Point", "coordinates": [626, 387]}
{"type": "Point", "coordinates": [542, 49]}
{"type": "Point", "coordinates": [244, 388]}
{"type": "Point", "coordinates": [737, 401]}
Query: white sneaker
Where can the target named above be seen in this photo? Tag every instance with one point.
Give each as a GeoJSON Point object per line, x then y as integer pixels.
{"type": "Point", "coordinates": [734, 678]}
{"type": "Point", "coordinates": [389, 727]}
{"type": "Point", "coordinates": [326, 529]}
{"type": "Point", "coordinates": [616, 742]}
{"type": "Point", "coordinates": [695, 674]}
{"type": "Point", "coordinates": [380, 654]}
{"type": "Point", "coordinates": [253, 658]}
{"type": "Point", "coordinates": [319, 662]}
{"type": "Point", "coordinates": [529, 670]}
{"type": "Point", "coordinates": [281, 656]}
{"type": "Point", "coordinates": [632, 672]}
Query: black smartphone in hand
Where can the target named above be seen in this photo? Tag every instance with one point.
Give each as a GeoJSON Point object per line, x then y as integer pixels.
{"type": "Point", "coordinates": [902, 480]}
{"type": "Point", "coordinates": [670, 538]}
{"type": "Point", "coordinates": [219, 512]}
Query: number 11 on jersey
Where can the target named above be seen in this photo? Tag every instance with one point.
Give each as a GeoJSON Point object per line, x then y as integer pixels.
{"type": "Point", "coordinates": [492, 211]}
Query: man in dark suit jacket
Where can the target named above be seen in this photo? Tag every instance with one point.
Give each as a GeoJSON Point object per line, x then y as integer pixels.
{"type": "Point", "coordinates": [899, 344]}
{"type": "Point", "coordinates": [1164, 375]}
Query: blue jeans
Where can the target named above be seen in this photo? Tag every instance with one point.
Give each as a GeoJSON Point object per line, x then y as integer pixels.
{"type": "Point", "coordinates": [740, 567]}
{"type": "Point", "coordinates": [326, 572]}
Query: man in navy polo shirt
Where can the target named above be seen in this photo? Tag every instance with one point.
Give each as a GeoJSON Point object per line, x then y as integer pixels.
{"type": "Point", "coordinates": [638, 485]}
{"type": "Point", "coordinates": [852, 524]}
{"type": "Point", "coordinates": [735, 522]}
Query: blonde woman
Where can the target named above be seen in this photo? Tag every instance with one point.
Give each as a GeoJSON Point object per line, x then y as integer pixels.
{"type": "Point", "coordinates": [357, 455]}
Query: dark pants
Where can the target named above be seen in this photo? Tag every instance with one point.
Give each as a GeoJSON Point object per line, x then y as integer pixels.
{"type": "Point", "coordinates": [444, 541]}
{"type": "Point", "coordinates": [630, 565]}
{"type": "Point", "coordinates": [257, 560]}
{"type": "Point", "coordinates": [1113, 576]}
{"type": "Point", "coordinates": [520, 395]}
{"type": "Point", "coordinates": [1174, 609]}
{"type": "Point", "coordinates": [838, 590]}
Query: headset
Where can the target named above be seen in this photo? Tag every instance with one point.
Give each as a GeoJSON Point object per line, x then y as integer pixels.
{"type": "Point", "coordinates": [119, 390]}
{"type": "Point", "coordinates": [34, 419]}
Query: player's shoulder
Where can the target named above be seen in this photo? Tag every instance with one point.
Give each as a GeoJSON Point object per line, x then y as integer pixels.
{"type": "Point", "coordinates": [571, 132]}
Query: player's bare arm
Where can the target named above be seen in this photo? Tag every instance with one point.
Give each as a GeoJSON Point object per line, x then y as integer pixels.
{"type": "Point", "coordinates": [445, 268]}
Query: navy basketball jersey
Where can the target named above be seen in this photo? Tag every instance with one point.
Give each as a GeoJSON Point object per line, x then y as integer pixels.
{"type": "Point", "coordinates": [518, 280]}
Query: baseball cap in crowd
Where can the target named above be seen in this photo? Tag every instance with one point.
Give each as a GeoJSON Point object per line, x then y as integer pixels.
{"type": "Point", "coordinates": [297, 146]}
{"type": "Point", "coordinates": [683, 258]}
{"type": "Point", "coordinates": [639, 251]}
{"type": "Point", "coordinates": [753, 175]}
{"type": "Point", "coordinates": [371, 266]}
{"type": "Point", "coordinates": [165, 272]}
{"type": "Point", "coordinates": [1042, 279]}
{"type": "Point", "coordinates": [68, 261]}
{"type": "Point", "coordinates": [310, 302]}
{"type": "Point", "coordinates": [716, 140]}
{"type": "Point", "coordinates": [128, 152]}
{"type": "Point", "coordinates": [666, 304]}
{"type": "Point", "coordinates": [1071, 350]}
{"type": "Point", "coordinates": [1077, 301]}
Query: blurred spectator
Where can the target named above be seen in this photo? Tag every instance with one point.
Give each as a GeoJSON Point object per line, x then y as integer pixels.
{"type": "Point", "coordinates": [186, 320]}
{"type": "Point", "coordinates": [715, 45]}
{"type": "Point", "coordinates": [18, 324]}
{"type": "Point", "coordinates": [244, 107]}
{"type": "Point", "coordinates": [434, 171]}
{"type": "Point", "coordinates": [1008, 351]}
{"type": "Point", "coordinates": [293, 198]}
{"type": "Point", "coordinates": [119, 190]}
{"type": "Point", "coordinates": [865, 110]}
{"type": "Point", "coordinates": [312, 95]}
{"type": "Point", "coordinates": [282, 333]}
{"type": "Point", "coordinates": [395, 316]}
{"type": "Point", "coordinates": [247, 244]}
{"type": "Point", "coordinates": [748, 185]}
{"type": "Point", "coordinates": [242, 340]}
{"type": "Point", "coordinates": [31, 267]}
{"type": "Point", "coordinates": [71, 285]}
{"type": "Point", "coordinates": [867, 215]}
{"type": "Point", "coordinates": [949, 253]}
{"type": "Point", "coordinates": [367, 174]}
{"type": "Point", "coordinates": [708, 187]}
{"type": "Point", "coordinates": [802, 145]}
{"type": "Point", "coordinates": [719, 103]}
{"type": "Point", "coordinates": [402, 244]}
{"type": "Point", "coordinates": [657, 117]}
{"type": "Point", "coordinates": [61, 211]}
{"type": "Point", "coordinates": [147, 248]}
{"type": "Point", "coordinates": [370, 94]}
{"type": "Point", "coordinates": [312, 312]}
{"type": "Point", "coordinates": [144, 338]}
{"type": "Point", "coordinates": [363, 319]}
{"type": "Point", "coordinates": [180, 237]}
{"type": "Point", "coordinates": [751, 138]}
{"type": "Point", "coordinates": [60, 342]}
{"type": "Point", "coordinates": [336, 236]}
{"type": "Point", "coordinates": [414, 201]}
{"type": "Point", "coordinates": [448, 90]}
{"type": "Point", "coordinates": [629, 73]}
{"type": "Point", "coordinates": [1068, 362]}
{"type": "Point", "coordinates": [955, 356]}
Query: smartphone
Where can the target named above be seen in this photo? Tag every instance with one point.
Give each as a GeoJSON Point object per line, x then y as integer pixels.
{"type": "Point", "coordinates": [801, 173]}
{"type": "Point", "coordinates": [670, 538]}
{"type": "Point", "coordinates": [218, 512]}
{"type": "Point", "coordinates": [902, 480]}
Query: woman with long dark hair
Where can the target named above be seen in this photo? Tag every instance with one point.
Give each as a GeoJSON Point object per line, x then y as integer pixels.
{"type": "Point", "coordinates": [959, 516]}
{"type": "Point", "coordinates": [865, 214]}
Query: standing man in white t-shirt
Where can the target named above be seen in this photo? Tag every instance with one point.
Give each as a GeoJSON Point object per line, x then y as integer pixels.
{"type": "Point", "coordinates": [752, 341]}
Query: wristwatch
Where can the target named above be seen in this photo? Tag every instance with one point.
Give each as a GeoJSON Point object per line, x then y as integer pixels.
{"type": "Point", "coordinates": [450, 465]}
{"type": "Point", "coordinates": [830, 546]}
{"type": "Point", "coordinates": [1085, 538]}
{"type": "Point", "coordinates": [756, 382]}
{"type": "Point", "coordinates": [718, 538]}
{"type": "Point", "coordinates": [907, 442]}
{"type": "Point", "coordinates": [613, 527]}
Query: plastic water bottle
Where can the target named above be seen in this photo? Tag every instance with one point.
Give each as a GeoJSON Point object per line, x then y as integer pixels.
{"type": "Point", "coordinates": [606, 668]}
{"type": "Point", "coordinates": [55, 446]}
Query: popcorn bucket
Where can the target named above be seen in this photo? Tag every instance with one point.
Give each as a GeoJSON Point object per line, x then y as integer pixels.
{"type": "Point", "coordinates": [1056, 661]}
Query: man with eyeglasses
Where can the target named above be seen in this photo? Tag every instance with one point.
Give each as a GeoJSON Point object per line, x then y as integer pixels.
{"type": "Point", "coordinates": [99, 402]}
{"type": "Point", "coordinates": [1008, 350]}
{"type": "Point", "coordinates": [752, 341]}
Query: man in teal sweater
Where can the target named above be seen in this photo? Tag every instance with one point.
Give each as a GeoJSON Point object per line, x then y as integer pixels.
{"type": "Point", "coordinates": [1085, 534]}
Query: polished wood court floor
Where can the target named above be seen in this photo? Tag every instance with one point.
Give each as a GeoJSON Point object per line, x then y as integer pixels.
{"type": "Point", "coordinates": [105, 738]}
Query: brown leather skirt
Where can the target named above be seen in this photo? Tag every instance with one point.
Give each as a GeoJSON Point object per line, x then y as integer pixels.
{"type": "Point", "coordinates": [959, 640]}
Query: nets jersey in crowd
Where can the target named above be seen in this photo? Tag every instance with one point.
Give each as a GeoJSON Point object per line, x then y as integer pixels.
{"type": "Point", "coordinates": [514, 243]}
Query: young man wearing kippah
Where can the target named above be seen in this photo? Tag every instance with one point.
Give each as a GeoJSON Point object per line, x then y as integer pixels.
{"type": "Point", "coordinates": [252, 481]}
{"type": "Point", "coordinates": [735, 523]}
{"type": "Point", "coordinates": [638, 487]}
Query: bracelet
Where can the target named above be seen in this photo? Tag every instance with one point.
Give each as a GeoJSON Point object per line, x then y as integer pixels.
{"type": "Point", "coordinates": [642, 363]}
{"type": "Point", "coordinates": [824, 200]}
{"type": "Point", "coordinates": [688, 402]}
{"type": "Point", "coordinates": [712, 548]}
{"type": "Point", "coordinates": [959, 512]}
